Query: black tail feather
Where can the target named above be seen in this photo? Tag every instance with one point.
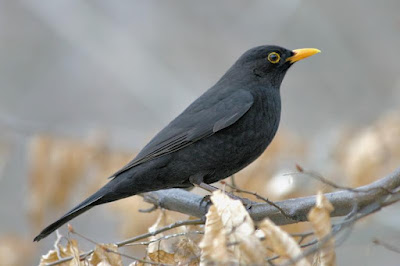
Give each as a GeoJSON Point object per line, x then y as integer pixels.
{"type": "Point", "coordinates": [87, 204]}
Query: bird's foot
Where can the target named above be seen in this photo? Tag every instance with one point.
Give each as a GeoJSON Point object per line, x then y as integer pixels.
{"type": "Point", "coordinates": [206, 200]}
{"type": "Point", "coordinates": [148, 210]}
{"type": "Point", "coordinates": [246, 202]}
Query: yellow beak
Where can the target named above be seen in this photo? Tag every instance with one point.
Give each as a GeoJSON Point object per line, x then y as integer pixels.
{"type": "Point", "coordinates": [300, 54]}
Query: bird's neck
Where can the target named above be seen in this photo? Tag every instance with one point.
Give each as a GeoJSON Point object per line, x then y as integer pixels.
{"type": "Point", "coordinates": [269, 100]}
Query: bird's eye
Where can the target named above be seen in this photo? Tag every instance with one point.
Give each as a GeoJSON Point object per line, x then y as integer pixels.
{"type": "Point", "coordinates": [274, 57]}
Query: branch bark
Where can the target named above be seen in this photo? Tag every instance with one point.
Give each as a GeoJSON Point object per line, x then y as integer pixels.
{"type": "Point", "coordinates": [344, 201]}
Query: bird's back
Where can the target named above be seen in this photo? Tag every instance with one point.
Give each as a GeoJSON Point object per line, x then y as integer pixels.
{"type": "Point", "coordinates": [236, 146]}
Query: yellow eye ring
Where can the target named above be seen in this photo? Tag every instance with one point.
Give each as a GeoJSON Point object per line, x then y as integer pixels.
{"type": "Point", "coordinates": [274, 57]}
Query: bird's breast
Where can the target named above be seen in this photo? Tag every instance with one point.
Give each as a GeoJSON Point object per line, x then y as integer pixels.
{"type": "Point", "coordinates": [236, 146]}
{"type": "Point", "coordinates": [258, 127]}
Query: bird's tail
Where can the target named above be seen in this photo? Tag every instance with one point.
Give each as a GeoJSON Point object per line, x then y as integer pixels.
{"type": "Point", "coordinates": [87, 204]}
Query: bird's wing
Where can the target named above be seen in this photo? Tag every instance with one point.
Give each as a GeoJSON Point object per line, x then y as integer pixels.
{"type": "Point", "coordinates": [193, 124]}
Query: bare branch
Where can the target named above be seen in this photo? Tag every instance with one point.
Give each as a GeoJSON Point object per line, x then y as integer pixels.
{"type": "Point", "coordinates": [383, 190]}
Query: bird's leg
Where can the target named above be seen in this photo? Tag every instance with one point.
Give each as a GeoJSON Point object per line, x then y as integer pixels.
{"type": "Point", "coordinates": [207, 187]}
{"type": "Point", "coordinates": [197, 181]}
{"type": "Point", "coordinates": [246, 202]}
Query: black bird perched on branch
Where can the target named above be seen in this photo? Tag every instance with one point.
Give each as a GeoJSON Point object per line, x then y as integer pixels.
{"type": "Point", "coordinates": [220, 133]}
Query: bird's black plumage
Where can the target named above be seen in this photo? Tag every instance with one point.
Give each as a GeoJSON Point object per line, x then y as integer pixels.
{"type": "Point", "coordinates": [220, 133]}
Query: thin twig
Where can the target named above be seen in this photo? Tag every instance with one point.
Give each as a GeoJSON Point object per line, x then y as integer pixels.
{"type": "Point", "coordinates": [81, 256]}
{"type": "Point", "coordinates": [133, 239]}
{"type": "Point", "coordinates": [273, 258]}
{"type": "Point", "coordinates": [166, 237]}
{"type": "Point", "coordinates": [163, 229]}
{"type": "Point", "coordinates": [135, 258]}
{"type": "Point", "coordinates": [348, 221]}
{"type": "Point", "coordinates": [326, 181]}
{"type": "Point", "coordinates": [386, 245]}
{"type": "Point", "coordinates": [322, 179]}
{"type": "Point", "coordinates": [302, 236]}
{"type": "Point", "coordinates": [72, 231]}
{"type": "Point", "coordinates": [255, 194]}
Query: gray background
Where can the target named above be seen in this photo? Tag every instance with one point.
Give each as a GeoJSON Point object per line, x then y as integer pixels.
{"type": "Point", "coordinates": [128, 67]}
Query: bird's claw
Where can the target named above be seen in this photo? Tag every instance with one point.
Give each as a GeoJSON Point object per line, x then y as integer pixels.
{"type": "Point", "coordinates": [248, 206]}
{"type": "Point", "coordinates": [206, 199]}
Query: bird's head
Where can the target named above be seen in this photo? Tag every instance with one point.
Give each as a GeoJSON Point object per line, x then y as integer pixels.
{"type": "Point", "coordinates": [269, 63]}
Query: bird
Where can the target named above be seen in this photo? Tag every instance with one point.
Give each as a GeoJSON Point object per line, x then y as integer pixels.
{"type": "Point", "coordinates": [220, 133]}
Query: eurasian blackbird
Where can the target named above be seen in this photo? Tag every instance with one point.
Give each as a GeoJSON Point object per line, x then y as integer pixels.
{"type": "Point", "coordinates": [220, 133]}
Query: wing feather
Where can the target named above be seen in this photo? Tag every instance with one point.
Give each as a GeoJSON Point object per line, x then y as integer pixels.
{"type": "Point", "coordinates": [192, 126]}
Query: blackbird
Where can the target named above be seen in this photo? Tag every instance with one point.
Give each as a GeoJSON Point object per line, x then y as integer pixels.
{"type": "Point", "coordinates": [220, 133]}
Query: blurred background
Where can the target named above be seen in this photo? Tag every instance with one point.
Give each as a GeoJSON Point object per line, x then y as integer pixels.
{"type": "Point", "coordinates": [85, 84]}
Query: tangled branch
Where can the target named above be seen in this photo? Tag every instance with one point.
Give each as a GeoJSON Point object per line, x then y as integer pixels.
{"type": "Point", "coordinates": [383, 191]}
